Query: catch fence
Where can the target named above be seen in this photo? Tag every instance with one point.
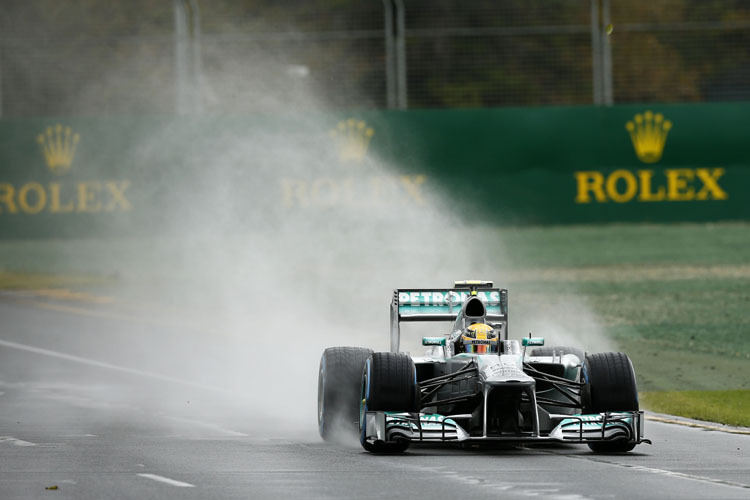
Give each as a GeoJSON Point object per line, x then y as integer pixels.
{"type": "Point", "coordinates": [218, 57]}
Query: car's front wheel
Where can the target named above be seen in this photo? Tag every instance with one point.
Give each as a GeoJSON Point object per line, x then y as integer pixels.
{"type": "Point", "coordinates": [389, 383]}
{"type": "Point", "coordinates": [610, 386]}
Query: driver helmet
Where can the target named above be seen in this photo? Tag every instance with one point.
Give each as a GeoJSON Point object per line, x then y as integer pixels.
{"type": "Point", "coordinates": [480, 338]}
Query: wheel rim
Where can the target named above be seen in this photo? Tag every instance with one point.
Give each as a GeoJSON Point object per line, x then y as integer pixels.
{"type": "Point", "coordinates": [321, 396]}
{"type": "Point", "coordinates": [364, 393]}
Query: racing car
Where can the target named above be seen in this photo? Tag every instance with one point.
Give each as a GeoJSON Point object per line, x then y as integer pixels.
{"type": "Point", "coordinates": [474, 384]}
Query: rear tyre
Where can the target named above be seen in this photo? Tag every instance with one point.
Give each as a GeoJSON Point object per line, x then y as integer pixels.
{"type": "Point", "coordinates": [610, 386]}
{"type": "Point", "coordinates": [339, 380]}
{"type": "Point", "coordinates": [549, 351]}
{"type": "Point", "coordinates": [389, 383]}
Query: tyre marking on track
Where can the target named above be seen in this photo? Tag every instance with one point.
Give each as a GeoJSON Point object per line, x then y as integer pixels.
{"type": "Point", "coordinates": [166, 480]}
{"type": "Point", "coordinates": [697, 425]}
{"type": "Point", "coordinates": [109, 366]}
{"type": "Point", "coordinates": [14, 441]}
{"type": "Point", "coordinates": [653, 470]}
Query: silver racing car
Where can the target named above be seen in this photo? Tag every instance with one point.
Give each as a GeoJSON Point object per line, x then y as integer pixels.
{"type": "Point", "coordinates": [474, 384]}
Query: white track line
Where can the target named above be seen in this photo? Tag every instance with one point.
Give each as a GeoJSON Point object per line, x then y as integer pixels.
{"type": "Point", "coordinates": [653, 470]}
{"type": "Point", "coordinates": [108, 366]}
{"type": "Point", "coordinates": [166, 480]}
{"type": "Point", "coordinates": [682, 475]}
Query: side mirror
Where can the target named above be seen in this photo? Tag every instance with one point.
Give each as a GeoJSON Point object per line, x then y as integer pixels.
{"type": "Point", "coordinates": [433, 341]}
{"type": "Point", "coordinates": [532, 341]}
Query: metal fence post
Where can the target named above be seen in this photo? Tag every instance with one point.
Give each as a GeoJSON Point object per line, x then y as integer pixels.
{"type": "Point", "coordinates": [196, 90]}
{"type": "Point", "coordinates": [390, 66]}
{"type": "Point", "coordinates": [606, 53]}
{"type": "Point", "coordinates": [187, 52]}
{"type": "Point", "coordinates": [2, 45]}
{"type": "Point", "coordinates": [180, 57]}
{"type": "Point", "coordinates": [401, 53]}
{"type": "Point", "coordinates": [596, 50]}
{"type": "Point", "coordinates": [1, 76]}
{"type": "Point", "coordinates": [601, 53]}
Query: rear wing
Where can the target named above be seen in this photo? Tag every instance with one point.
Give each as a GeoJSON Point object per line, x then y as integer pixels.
{"type": "Point", "coordinates": [443, 304]}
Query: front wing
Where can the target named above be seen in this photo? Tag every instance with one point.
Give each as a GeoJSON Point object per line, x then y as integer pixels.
{"type": "Point", "coordinates": [426, 428]}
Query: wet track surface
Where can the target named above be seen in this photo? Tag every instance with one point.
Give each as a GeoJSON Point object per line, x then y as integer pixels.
{"type": "Point", "coordinates": [71, 423]}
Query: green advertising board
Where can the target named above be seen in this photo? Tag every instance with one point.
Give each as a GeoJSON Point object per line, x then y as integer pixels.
{"type": "Point", "coordinates": [594, 164]}
{"type": "Point", "coordinates": [630, 163]}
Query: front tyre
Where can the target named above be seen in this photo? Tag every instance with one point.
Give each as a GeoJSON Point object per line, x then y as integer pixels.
{"type": "Point", "coordinates": [339, 379]}
{"type": "Point", "coordinates": [389, 383]}
{"type": "Point", "coordinates": [610, 386]}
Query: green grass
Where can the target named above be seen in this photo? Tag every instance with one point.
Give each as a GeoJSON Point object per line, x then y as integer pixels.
{"type": "Point", "coordinates": [726, 407]}
{"type": "Point", "coordinates": [27, 280]}
{"type": "Point", "coordinates": [629, 244]}
{"type": "Point", "coordinates": [676, 298]}
{"type": "Point", "coordinates": [684, 333]}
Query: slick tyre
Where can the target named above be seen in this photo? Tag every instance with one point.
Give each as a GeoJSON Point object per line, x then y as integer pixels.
{"type": "Point", "coordinates": [549, 351]}
{"type": "Point", "coordinates": [609, 386]}
{"type": "Point", "coordinates": [389, 383]}
{"type": "Point", "coordinates": [339, 382]}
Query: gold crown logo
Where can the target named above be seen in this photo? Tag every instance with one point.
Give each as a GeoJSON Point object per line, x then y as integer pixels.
{"type": "Point", "coordinates": [353, 138]}
{"type": "Point", "coordinates": [648, 131]}
{"type": "Point", "coordinates": [58, 144]}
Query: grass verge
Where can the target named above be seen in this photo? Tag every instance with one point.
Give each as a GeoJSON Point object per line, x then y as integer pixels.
{"type": "Point", "coordinates": [35, 281]}
{"type": "Point", "coordinates": [726, 407]}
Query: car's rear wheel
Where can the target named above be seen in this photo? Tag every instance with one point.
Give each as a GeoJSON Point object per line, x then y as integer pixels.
{"type": "Point", "coordinates": [339, 379]}
{"type": "Point", "coordinates": [389, 383]}
{"type": "Point", "coordinates": [610, 386]}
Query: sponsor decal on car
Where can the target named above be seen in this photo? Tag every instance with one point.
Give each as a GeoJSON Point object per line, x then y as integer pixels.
{"type": "Point", "coordinates": [444, 298]}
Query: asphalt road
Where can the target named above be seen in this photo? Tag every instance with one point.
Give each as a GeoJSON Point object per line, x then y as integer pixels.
{"type": "Point", "coordinates": [88, 404]}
